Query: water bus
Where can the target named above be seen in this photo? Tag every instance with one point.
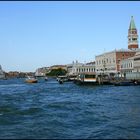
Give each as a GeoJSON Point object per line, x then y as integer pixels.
{"type": "Point", "coordinates": [86, 79]}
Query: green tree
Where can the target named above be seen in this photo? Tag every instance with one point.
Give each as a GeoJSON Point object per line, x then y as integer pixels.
{"type": "Point", "coordinates": [57, 72]}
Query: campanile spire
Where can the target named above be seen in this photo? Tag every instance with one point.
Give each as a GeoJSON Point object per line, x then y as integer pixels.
{"type": "Point", "coordinates": [132, 35]}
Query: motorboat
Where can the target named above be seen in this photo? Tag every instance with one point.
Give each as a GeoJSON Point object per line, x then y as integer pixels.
{"type": "Point", "coordinates": [30, 79]}
{"type": "Point", "coordinates": [62, 79]}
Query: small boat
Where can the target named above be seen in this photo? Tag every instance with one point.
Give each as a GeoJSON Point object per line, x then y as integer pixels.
{"type": "Point", "coordinates": [46, 78]}
{"type": "Point", "coordinates": [72, 77]}
{"type": "Point", "coordinates": [124, 83]}
{"type": "Point", "coordinates": [61, 81]}
{"type": "Point", "coordinates": [31, 80]}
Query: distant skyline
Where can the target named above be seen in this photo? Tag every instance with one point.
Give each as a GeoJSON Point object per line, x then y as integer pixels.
{"type": "Point", "coordinates": [37, 34]}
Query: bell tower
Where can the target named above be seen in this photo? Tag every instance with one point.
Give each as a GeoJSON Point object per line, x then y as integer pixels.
{"type": "Point", "coordinates": [132, 35]}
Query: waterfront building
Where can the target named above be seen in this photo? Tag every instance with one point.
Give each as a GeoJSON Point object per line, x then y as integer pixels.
{"type": "Point", "coordinates": [127, 65]}
{"type": "Point", "coordinates": [130, 68]}
{"type": "Point", "coordinates": [76, 68]}
{"type": "Point", "coordinates": [110, 62]}
{"type": "Point", "coordinates": [131, 64]}
{"type": "Point", "coordinates": [42, 71]}
{"type": "Point", "coordinates": [137, 62]}
{"type": "Point", "coordinates": [2, 75]}
{"type": "Point", "coordinates": [71, 68]}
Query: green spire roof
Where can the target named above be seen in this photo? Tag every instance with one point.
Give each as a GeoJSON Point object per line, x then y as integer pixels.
{"type": "Point", "coordinates": [132, 23]}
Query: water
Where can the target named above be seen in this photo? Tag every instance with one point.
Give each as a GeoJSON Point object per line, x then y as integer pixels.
{"type": "Point", "coordinates": [51, 110]}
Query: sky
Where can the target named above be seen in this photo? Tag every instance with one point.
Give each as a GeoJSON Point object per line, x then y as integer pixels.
{"type": "Point", "coordinates": [37, 34]}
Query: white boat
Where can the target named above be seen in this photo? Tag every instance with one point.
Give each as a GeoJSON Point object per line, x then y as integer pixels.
{"type": "Point", "coordinates": [63, 78]}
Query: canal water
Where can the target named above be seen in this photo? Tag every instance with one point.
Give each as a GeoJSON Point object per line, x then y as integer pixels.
{"type": "Point", "coordinates": [51, 110]}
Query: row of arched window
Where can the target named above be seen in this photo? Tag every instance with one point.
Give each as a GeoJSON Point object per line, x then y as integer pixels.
{"type": "Point", "coordinates": [107, 60]}
{"type": "Point", "coordinates": [127, 65]}
{"type": "Point", "coordinates": [85, 70]}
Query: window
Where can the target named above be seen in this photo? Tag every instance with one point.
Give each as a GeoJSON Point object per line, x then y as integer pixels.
{"type": "Point", "coordinates": [134, 39]}
{"type": "Point", "coordinates": [131, 64]}
{"type": "Point", "coordinates": [113, 60]}
{"type": "Point", "coordinates": [107, 60]}
{"type": "Point", "coordinates": [118, 60]}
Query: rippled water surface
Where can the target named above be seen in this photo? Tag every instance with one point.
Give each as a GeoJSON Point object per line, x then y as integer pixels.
{"type": "Point", "coordinates": [51, 110]}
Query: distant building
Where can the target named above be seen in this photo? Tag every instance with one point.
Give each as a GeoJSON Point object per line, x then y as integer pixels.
{"type": "Point", "coordinates": [77, 68]}
{"type": "Point", "coordinates": [13, 74]}
{"type": "Point", "coordinates": [110, 62]}
{"type": "Point", "coordinates": [137, 62]}
{"type": "Point", "coordinates": [71, 68]}
{"type": "Point", "coordinates": [42, 71]}
{"type": "Point", "coordinates": [2, 75]}
{"type": "Point", "coordinates": [127, 65]}
{"type": "Point", "coordinates": [131, 64]}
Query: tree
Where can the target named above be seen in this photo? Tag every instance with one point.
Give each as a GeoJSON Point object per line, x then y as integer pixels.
{"type": "Point", "coordinates": [57, 72]}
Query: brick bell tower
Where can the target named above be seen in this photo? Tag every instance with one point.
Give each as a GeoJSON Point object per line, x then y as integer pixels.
{"type": "Point", "coordinates": [132, 35]}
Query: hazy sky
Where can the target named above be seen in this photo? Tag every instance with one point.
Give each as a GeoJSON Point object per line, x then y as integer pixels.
{"type": "Point", "coordinates": [37, 34]}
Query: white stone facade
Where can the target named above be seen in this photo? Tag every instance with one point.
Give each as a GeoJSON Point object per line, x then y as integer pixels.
{"type": "Point", "coordinates": [131, 64]}
{"type": "Point", "coordinates": [76, 68]}
{"type": "Point", "coordinates": [110, 62]}
{"type": "Point", "coordinates": [127, 65]}
{"type": "Point", "coordinates": [41, 71]}
{"type": "Point", "coordinates": [137, 62]}
{"type": "Point", "coordinates": [106, 62]}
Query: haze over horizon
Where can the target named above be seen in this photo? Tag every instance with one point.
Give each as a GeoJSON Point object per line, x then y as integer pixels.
{"type": "Point", "coordinates": [38, 34]}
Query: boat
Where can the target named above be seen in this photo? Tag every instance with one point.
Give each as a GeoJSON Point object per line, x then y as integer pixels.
{"type": "Point", "coordinates": [30, 79]}
{"type": "Point", "coordinates": [72, 77]}
{"type": "Point", "coordinates": [46, 78]}
{"type": "Point", "coordinates": [62, 78]}
{"type": "Point", "coordinates": [61, 81]}
{"type": "Point", "coordinates": [86, 79]}
{"type": "Point", "coordinates": [124, 83]}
